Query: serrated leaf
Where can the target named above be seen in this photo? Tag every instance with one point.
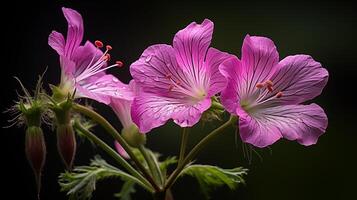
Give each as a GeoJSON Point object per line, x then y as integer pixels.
{"type": "Point", "coordinates": [81, 182]}
{"type": "Point", "coordinates": [126, 191]}
{"type": "Point", "coordinates": [210, 177]}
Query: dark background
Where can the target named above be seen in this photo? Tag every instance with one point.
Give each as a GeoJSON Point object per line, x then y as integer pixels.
{"type": "Point", "coordinates": [326, 30]}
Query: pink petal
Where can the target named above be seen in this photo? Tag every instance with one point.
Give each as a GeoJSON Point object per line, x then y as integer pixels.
{"type": "Point", "coordinates": [103, 88]}
{"type": "Point", "coordinates": [157, 72]}
{"type": "Point", "coordinates": [74, 32]}
{"type": "Point", "coordinates": [191, 44]}
{"type": "Point", "coordinates": [299, 78]}
{"type": "Point", "coordinates": [217, 81]}
{"type": "Point", "coordinates": [149, 111]}
{"type": "Point", "coordinates": [232, 70]}
{"type": "Point", "coordinates": [56, 41]}
{"type": "Point", "coordinates": [121, 150]}
{"type": "Point", "coordinates": [259, 62]}
{"type": "Point", "coordinates": [304, 123]}
{"type": "Point", "coordinates": [122, 109]}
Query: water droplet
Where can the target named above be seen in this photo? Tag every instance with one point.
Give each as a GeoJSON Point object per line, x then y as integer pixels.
{"type": "Point", "coordinates": [148, 58]}
{"type": "Point", "coordinates": [157, 78]}
{"type": "Point", "coordinates": [115, 79]}
{"type": "Point", "coordinates": [142, 71]}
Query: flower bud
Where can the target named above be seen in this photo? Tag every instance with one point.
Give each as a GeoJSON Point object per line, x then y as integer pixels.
{"type": "Point", "coordinates": [66, 144]}
{"type": "Point", "coordinates": [121, 150]}
{"type": "Point", "coordinates": [132, 136]}
{"type": "Point", "coordinates": [35, 149]}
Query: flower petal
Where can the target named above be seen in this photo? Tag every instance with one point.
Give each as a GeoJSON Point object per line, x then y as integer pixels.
{"type": "Point", "coordinates": [121, 150]}
{"type": "Point", "coordinates": [217, 81]}
{"type": "Point", "coordinates": [157, 72]}
{"type": "Point", "coordinates": [74, 32]}
{"type": "Point", "coordinates": [259, 62]}
{"type": "Point", "coordinates": [149, 111]}
{"type": "Point", "coordinates": [104, 88]}
{"type": "Point", "coordinates": [304, 123]}
{"type": "Point", "coordinates": [231, 69]}
{"type": "Point", "coordinates": [191, 44]}
{"type": "Point", "coordinates": [122, 108]}
{"type": "Point", "coordinates": [299, 78]}
{"type": "Point", "coordinates": [56, 41]}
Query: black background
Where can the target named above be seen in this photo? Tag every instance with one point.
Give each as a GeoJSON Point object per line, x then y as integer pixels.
{"type": "Point", "coordinates": [326, 30]}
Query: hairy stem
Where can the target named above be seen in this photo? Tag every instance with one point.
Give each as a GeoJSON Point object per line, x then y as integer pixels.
{"type": "Point", "coordinates": [139, 178]}
{"type": "Point", "coordinates": [153, 165]}
{"type": "Point", "coordinates": [197, 149]}
{"type": "Point", "coordinates": [115, 134]}
{"type": "Point", "coordinates": [184, 139]}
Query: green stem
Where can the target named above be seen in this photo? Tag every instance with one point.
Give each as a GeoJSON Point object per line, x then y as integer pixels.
{"type": "Point", "coordinates": [138, 177]}
{"type": "Point", "coordinates": [184, 139]}
{"type": "Point", "coordinates": [153, 165]}
{"type": "Point", "coordinates": [115, 134]}
{"type": "Point", "coordinates": [198, 148]}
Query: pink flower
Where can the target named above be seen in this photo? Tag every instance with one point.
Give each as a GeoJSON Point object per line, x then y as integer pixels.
{"type": "Point", "coordinates": [83, 67]}
{"type": "Point", "coordinates": [177, 81]}
{"type": "Point", "coordinates": [267, 94]}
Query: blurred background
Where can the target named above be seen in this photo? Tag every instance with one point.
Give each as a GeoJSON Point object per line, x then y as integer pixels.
{"type": "Point", "coordinates": [326, 30]}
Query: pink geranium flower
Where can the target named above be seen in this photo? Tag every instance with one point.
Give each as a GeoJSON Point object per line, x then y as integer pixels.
{"type": "Point", "coordinates": [267, 94]}
{"type": "Point", "coordinates": [83, 67]}
{"type": "Point", "coordinates": [177, 81]}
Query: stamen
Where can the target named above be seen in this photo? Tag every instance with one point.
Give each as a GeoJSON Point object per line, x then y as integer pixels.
{"type": "Point", "coordinates": [108, 47]}
{"type": "Point", "coordinates": [98, 43]}
{"type": "Point", "coordinates": [108, 56]}
{"type": "Point", "coordinates": [119, 63]}
{"type": "Point", "coordinates": [259, 85]}
{"type": "Point", "coordinates": [269, 83]}
{"type": "Point", "coordinates": [279, 94]}
{"type": "Point", "coordinates": [270, 88]}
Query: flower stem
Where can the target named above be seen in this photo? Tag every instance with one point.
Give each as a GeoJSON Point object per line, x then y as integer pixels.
{"type": "Point", "coordinates": [197, 149]}
{"type": "Point", "coordinates": [115, 134]}
{"type": "Point", "coordinates": [153, 165]}
{"type": "Point", "coordinates": [184, 139]}
{"type": "Point", "coordinates": [138, 177]}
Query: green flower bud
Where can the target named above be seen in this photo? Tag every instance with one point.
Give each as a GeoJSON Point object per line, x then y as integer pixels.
{"type": "Point", "coordinates": [66, 144]}
{"type": "Point", "coordinates": [133, 137]}
{"type": "Point", "coordinates": [35, 149]}
{"type": "Point", "coordinates": [214, 112]}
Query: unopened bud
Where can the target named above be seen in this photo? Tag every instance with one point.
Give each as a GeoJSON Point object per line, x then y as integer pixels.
{"type": "Point", "coordinates": [66, 144]}
{"type": "Point", "coordinates": [121, 150]}
{"type": "Point", "coordinates": [35, 149]}
{"type": "Point", "coordinates": [133, 137]}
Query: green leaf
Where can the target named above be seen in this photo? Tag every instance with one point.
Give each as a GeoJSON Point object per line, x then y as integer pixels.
{"type": "Point", "coordinates": [166, 163]}
{"type": "Point", "coordinates": [81, 182]}
{"type": "Point", "coordinates": [210, 177]}
{"type": "Point", "coordinates": [126, 191]}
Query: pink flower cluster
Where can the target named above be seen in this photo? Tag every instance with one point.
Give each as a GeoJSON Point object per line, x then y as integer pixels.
{"type": "Point", "coordinates": [178, 82]}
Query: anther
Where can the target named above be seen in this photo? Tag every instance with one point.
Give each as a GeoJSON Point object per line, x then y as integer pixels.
{"type": "Point", "coordinates": [279, 94]}
{"type": "Point", "coordinates": [109, 47]}
{"type": "Point", "coordinates": [270, 88]}
{"type": "Point", "coordinates": [98, 44]}
{"type": "Point", "coordinates": [259, 85]}
{"type": "Point", "coordinates": [119, 63]}
{"type": "Point", "coordinates": [269, 83]}
{"type": "Point", "coordinates": [168, 76]}
{"type": "Point", "coordinates": [171, 87]}
{"type": "Point", "coordinates": [108, 56]}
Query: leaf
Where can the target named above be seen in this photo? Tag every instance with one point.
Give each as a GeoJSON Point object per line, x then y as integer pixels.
{"type": "Point", "coordinates": [210, 177]}
{"type": "Point", "coordinates": [126, 191]}
{"type": "Point", "coordinates": [166, 163]}
{"type": "Point", "coordinates": [81, 182]}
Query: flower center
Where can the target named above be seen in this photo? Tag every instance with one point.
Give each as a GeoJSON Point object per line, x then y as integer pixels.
{"type": "Point", "coordinates": [265, 92]}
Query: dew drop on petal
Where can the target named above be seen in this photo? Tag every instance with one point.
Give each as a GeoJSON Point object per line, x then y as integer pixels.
{"type": "Point", "coordinates": [115, 79]}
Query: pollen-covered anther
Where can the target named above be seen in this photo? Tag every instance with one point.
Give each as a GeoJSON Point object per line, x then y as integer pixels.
{"type": "Point", "coordinates": [108, 47]}
{"type": "Point", "coordinates": [279, 94]}
{"type": "Point", "coordinates": [270, 88]}
{"type": "Point", "coordinates": [98, 44]}
{"type": "Point", "coordinates": [108, 57]}
{"type": "Point", "coordinates": [269, 83]}
{"type": "Point", "coordinates": [259, 85]}
{"type": "Point", "coordinates": [119, 63]}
